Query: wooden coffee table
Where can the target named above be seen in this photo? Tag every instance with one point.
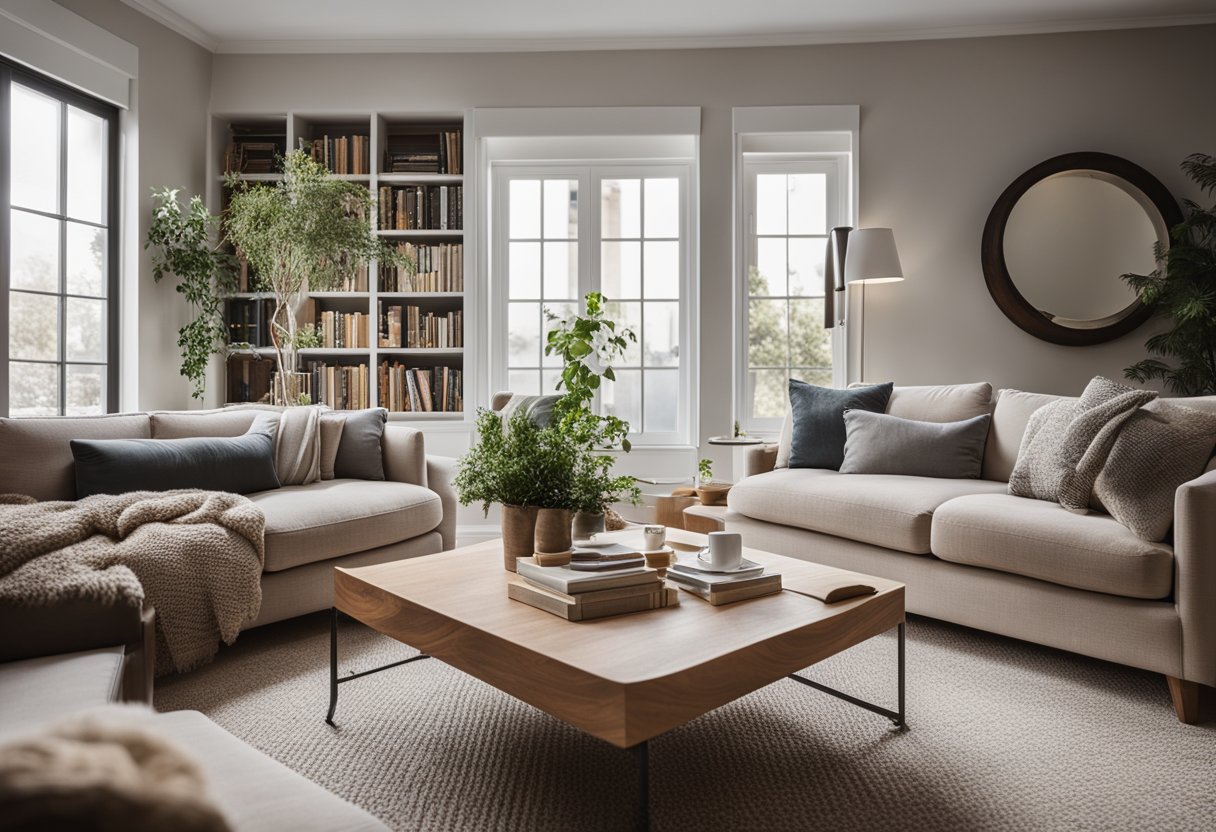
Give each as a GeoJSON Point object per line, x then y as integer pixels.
{"type": "Point", "coordinates": [624, 679]}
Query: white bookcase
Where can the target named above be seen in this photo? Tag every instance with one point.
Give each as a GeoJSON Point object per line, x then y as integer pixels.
{"type": "Point", "coordinates": [383, 129]}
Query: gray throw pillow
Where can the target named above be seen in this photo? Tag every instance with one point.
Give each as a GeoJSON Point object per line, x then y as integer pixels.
{"type": "Point", "coordinates": [878, 443]}
{"type": "Point", "coordinates": [817, 417]}
{"type": "Point", "coordinates": [236, 464]}
{"type": "Point", "coordinates": [360, 456]}
{"type": "Point", "coordinates": [1066, 443]}
{"type": "Point", "coordinates": [1162, 446]}
{"type": "Point", "coordinates": [538, 409]}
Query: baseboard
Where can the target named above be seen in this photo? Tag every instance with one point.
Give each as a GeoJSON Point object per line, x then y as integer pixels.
{"type": "Point", "coordinates": [467, 535]}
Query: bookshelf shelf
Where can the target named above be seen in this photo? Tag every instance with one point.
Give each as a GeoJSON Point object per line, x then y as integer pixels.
{"type": "Point", "coordinates": [419, 158]}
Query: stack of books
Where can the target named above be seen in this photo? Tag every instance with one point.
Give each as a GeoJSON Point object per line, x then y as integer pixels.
{"type": "Point", "coordinates": [604, 557]}
{"type": "Point", "coordinates": [580, 595]}
{"type": "Point", "coordinates": [749, 580]}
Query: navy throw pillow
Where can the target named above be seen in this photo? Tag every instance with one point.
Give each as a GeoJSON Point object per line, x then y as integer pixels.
{"type": "Point", "coordinates": [236, 464]}
{"type": "Point", "coordinates": [817, 414]}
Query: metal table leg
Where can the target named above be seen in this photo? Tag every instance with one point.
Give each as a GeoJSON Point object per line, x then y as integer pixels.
{"type": "Point", "coordinates": [641, 753]}
{"type": "Point", "coordinates": [897, 717]}
{"type": "Point", "coordinates": [334, 681]}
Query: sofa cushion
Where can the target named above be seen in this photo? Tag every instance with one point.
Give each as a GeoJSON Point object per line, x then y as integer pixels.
{"type": "Point", "coordinates": [1043, 540]}
{"type": "Point", "coordinates": [36, 457]}
{"type": "Point", "coordinates": [360, 454]}
{"type": "Point", "coordinates": [1009, 419]}
{"type": "Point", "coordinates": [882, 509]}
{"type": "Point", "coordinates": [331, 518]}
{"type": "Point", "coordinates": [879, 443]}
{"type": "Point", "coordinates": [225, 421]}
{"type": "Point", "coordinates": [42, 690]}
{"type": "Point", "coordinates": [818, 418]}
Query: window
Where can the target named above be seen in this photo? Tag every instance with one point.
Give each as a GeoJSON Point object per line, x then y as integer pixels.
{"type": "Point", "coordinates": [791, 204]}
{"type": "Point", "coordinates": [58, 218]}
{"type": "Point", "coordinates": [561, 231]}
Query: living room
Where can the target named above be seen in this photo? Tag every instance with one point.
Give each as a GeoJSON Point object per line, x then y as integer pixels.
{"type": "Point", "coordinates": [864, 300]}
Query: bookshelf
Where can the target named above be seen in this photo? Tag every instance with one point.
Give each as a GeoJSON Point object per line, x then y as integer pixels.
{"type": "Point", "coordinates": [398, 328]}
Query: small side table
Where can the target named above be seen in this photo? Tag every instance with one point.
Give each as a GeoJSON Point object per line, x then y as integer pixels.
{"type": "Point", "coordinates": [705, 519]}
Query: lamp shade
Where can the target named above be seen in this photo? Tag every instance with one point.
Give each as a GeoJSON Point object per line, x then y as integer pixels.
{"type": "Point", "coordinates": [872, 257]}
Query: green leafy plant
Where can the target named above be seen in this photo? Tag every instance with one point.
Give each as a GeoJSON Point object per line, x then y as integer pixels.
{"type": "Point", "coordinates": [186, 244]}
{"type": "Point", "coordinates": [705, 470]}
{"type": "Point", "coordinates": [522, 465]}
{"type": "Point", "coordinates": [308, 336]}
{"type": "Point", "coordinates": [307, 232]}
{"type": "Point", "coordinates": [1183, 289]}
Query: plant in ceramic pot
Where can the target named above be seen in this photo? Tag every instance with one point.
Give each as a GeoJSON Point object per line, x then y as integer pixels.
{"type": "Point", "coordinates": [307, 232]}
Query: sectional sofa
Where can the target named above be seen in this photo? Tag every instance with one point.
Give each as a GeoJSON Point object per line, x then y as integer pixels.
{"type": "Point", "coordinates": [973, 554]}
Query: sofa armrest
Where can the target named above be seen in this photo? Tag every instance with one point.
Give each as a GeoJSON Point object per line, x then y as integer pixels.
{"type": "Point", "coordinates": [1195, 576]}
{"type": "Point", "coordinates": [758, 459]}
{"type": "Point", "coordinates": [440, 470]}
{"type": "Point", "coordinates": [404, 451]}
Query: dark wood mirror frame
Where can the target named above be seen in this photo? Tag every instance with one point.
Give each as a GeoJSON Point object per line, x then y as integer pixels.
{"type": "Point", "coordinates": [992, 251]}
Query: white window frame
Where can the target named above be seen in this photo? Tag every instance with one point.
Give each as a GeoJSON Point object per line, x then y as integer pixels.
{"type": "Point", "coordinates": [589, 173]}
{"type": "Point", "coordinates": [835, 166]}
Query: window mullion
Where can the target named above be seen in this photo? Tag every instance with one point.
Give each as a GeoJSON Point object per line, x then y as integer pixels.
{"type": "Point", "coordinates": [63, 258]}
{"type": "Point", "coordinates": [5, 229]}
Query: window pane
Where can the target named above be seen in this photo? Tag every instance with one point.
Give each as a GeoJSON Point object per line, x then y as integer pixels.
{"type": "Point", "coordinates": [549, 380]}
{"type": "Point", "coordinates": [661, 339]}
{"type": "Point", "coordinates": [34, 259]}
{"type": "Point", "coordinates": [561, 209]}
{"type": "Point", "coordinates": [35, 150]}
{"type": "Point", "coordinates": [768, 391]}
{"type": "Point", "coordinates": [810, 342]}
{"type": "Point", "coordinates": [621, 269]}
{"type": "Point", "coordinates": [821, 376]}
{"type": "Point", "coordinates": [662, 207]}
{"type": "Point", "coordinates": [620, 208]}
{"type": "Point", "coordinates": [33, 389]}
{"type": "Point", "coordinates": [86, 260]}
{"type": "Point", "coordinates": [86, 330]}
{"type": "Point", "coordinates": [86, 166]}
{"type": "Point", "coordinates": [86, 389]}
{"type": "Point", "coordinates": [623, 398]}
{"type": "Point", "coordinates": [808, 203]}
{"type": "Point", "coordinates": [770, 258]}
{"type": "Point", "coordinates": [524, 208]}
{"type": "Point", "coordinates": [561, 270]}
{"type": "Point", "coordinates": [770, 203]}
{"type": "Point", "coordinates": [33, 326]}
{"type": "Point", "coordinates": [561, 310]}
{"type": "Point", "coordinates": [767, 344]}
{"type": "Point", "coordinates": [524, 382]}
{"type": "Point", "coordinates": [662, 389]}
{"type": "Point", "coordinates": [661, 270]}
{"type": "Point", "coordinates": [629, 316]}
{"type": "Point", "coordinates": [523, 269]}
{"type": "Point", "coordinates": [523, 335]}
{"type": "Point", "coordinates": [806, 265]}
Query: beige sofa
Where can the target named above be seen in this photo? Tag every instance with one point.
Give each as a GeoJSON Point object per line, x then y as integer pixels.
{"type": "Point", "coordinates": [972, 554]}
{"type": "Point", "coordinates": [310, 529]}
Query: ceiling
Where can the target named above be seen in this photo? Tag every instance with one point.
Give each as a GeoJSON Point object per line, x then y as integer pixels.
{"type": "Point", "coordinates": [541, 25]}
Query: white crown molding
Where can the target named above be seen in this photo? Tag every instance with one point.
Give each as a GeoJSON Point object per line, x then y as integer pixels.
{"type": "Point", "coordinates": [610, 43]}
{"type": "Point", "coordinates": [165, 16]}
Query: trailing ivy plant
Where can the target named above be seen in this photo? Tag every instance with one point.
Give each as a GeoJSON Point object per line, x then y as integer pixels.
{"type": "Point", "coordinates": [1183, 289]}
{"type": "Point", "coordinates": [185, 244]}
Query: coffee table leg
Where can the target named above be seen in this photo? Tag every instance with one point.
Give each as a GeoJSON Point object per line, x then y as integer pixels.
{"type": "Point", "coordinates": [333, 664]}
{"type": "Point", "coordinates": [898, 717]}
{"type": "Point", "coordinates": [641, 753]}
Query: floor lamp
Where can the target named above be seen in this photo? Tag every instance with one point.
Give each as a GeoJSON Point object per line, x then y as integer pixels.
{"type": "Point", "coordinates": [871, 257]}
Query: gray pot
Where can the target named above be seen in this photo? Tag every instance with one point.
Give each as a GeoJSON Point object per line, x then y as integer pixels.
{"type": "Point", "coordinates": [586, 524]}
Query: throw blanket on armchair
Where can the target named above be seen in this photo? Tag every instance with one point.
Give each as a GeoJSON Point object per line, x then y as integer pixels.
{"type": "Point", "coordinates": [195, 556]}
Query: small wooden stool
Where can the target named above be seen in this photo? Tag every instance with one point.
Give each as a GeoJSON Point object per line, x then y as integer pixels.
{"type": "Point", "coordinates": [705, 519]}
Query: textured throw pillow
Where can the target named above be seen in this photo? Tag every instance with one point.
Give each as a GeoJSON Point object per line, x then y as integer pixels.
{"type": "Point", "coordinates": [1162, 446]}
{"type": "Point", "coordinates": [878, 443]}
{"type": "Point", "coordinates": [817, 415]}
{"type": "Point", "coordinates": [237, 464]}
{"type": "Point", "coordinates": [330, 429]}
{"type": "Point", "coordinates": [1066, 443]}
{"type": "Point", "coordinates": [360, 456]}
{"type": "Point", "coordinates": [539, 409]}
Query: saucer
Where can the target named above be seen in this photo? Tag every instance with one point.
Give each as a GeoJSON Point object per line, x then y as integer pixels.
{"type": "Point", "coordinates": [662, 550]}
{"type": "Point", "coordinates": [701, 565]}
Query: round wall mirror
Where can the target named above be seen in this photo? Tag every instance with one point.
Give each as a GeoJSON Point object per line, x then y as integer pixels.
{"type": "Point", "coordinates": [1059, 237]}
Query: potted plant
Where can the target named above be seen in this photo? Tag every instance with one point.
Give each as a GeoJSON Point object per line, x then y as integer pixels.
{"type": "Point", "coordinates": [307, 232]}
{"type": "Point", "coordinates": [1183, 288]}
{"type": "Point", "coordinates": [186, 244]}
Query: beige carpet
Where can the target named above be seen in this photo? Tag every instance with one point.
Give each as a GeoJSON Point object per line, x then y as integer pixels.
{"type": "Point", "coordinates": [1004, 736]}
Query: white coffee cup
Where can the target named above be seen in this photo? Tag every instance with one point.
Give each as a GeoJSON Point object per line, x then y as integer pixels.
{"type": "Point", "coordinates": [725, 550]}
{"type": "Point", "coordinates": [655, 537]}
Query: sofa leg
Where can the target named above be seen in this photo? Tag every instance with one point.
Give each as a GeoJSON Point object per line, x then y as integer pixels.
{"type": "Point", "coordinates": [1186, 699]}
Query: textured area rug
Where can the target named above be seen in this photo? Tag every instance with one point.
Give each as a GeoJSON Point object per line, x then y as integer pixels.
{"type": "Point", "coordinates": [1003, 736]}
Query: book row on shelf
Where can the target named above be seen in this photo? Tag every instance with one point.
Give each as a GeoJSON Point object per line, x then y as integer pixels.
{"type": "Point", "coordinates": [420, 389]}
{"type": "Point", "coordinates": [424, 152]}
{"type": "Point", "coordinates": [342, 154]}
{"type": "Point", "coordinates": [420, 207]}
{"type": "Point", "coordinates": [411, 328]}
{"type": "Point", "coordinates": [340, 386]}
{"type": "Point", "coordinates": [343, 330]}
{"type": "Point", "coordinates": [356, 281]}
{"type": "Point", "coordinates": [439, 268]}
{"type": "Point", "coordinates": [254, 149]}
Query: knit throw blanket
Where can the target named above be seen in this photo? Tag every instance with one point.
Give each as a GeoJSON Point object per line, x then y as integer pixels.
{"type": "Point", "coordinates": [194, 556]}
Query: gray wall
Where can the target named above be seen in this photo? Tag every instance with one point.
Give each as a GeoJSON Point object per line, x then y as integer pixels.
{"type": "Point", "coordinates": [946, 125]}
{"type": "Point", "coordinates": [170, 107]}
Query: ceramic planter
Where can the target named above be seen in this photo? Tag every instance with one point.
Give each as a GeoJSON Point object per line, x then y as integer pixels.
{"type": "Point", "coordinates": [552, 530]}
{"type": "Point", "coordinates": [586, 524]}
{"type": "Point", "coordinates": [518, 534]}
